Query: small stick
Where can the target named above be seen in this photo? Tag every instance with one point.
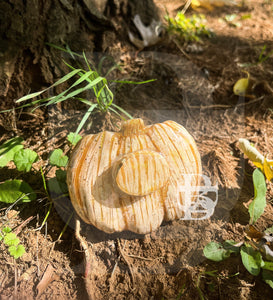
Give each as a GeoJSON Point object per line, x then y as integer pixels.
{"type": "Point", "coordinates": [15, 279]}
{"type": "Point", "coordinates": [180, 48]}
{"type": "Point", "coordinates": [186, 6]}
{"type": "Point", "coordinates": [84, 246]}
{"type": "Point", "coordinates": [19, 228]}
{"type": "Point", "coordinates": [139, 257]}
{"type": "Point", "coordinates": [129, 265]}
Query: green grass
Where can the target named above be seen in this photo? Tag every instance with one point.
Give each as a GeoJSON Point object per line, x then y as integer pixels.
{"type": "Point", "coordinates": [85, 79]}
{"type": "Point", "coordinates": [188, 28]}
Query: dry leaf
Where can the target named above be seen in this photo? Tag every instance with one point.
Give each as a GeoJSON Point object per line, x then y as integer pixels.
{"type": "Point", "coordinates": [47, 278]}
{"type": "Point", "coordinates": [209, 4]}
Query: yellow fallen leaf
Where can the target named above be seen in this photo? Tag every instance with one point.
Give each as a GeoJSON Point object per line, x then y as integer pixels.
{"type": "Point", "coordinates": [258, 165]}
{"type": "Point", "coordinates": [240, 87]}
{"type": "Point", "coordinates": [209, 4]}
{"type": "Point", "coordinates": [268, 169]}
{"type": "Point", "coordinates": [259, 161]}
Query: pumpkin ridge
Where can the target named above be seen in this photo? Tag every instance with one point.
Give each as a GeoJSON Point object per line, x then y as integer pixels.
{"type": "Point", "coordinates": [187, 143]}
{"type": "Point", "coordinates": [173, 143]}
{"type": "Point", "coordinates": [77, 174]}
{"type": "Point", "coordinates": [98, 168]}
{"type": "Point", "coordinates": [190, 141]}
{"type": "Point", "coordinates": [191, 144]}
{"type": "Point", "coordinates": [164, 141]}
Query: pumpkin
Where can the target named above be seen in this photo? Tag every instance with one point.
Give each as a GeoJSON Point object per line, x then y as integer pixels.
{"type": "Point", "coordinates": [136, 178]}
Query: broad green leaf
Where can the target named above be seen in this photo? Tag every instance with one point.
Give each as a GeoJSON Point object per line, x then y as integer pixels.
{"type": "Point", "coordinates": [215, 251]}
{"type": "Point", "coordinates": [268, 277]}
{"type": "Point", "coordinates": [57, 158]}
{"type": "Point", "coordinates": [12, 190]}
{"type": "Point", "coordinates": [24, 159]}
{"type": "Point", "coordinates": [11, 239]}
{"type": "Point", "coordinates": [17, 251]}
{"type": "Point", "coordinates": [252, 259]}
{"type": "Point", "coordinates": [229, 245]}
{"type": "Point", "coordinates": [257, 206]}
{"type": "Point", "coordinates": [58, 184]}
{"type": "Point", "coordinates": [268, 265]}
{"type": "Point", "coordinates": [73, 138]}
{"type": "Point", "coordinates": [6, 229]}
{"type": "Point", "coordinates": [8, 149]}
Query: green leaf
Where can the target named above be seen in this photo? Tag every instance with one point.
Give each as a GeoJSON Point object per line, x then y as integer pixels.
{"type": "Point", "coordinates": [252, 259]}
{"type": "Point", "coordinates": [215, 251]}
{"type": "Point", "coordinates": [17, 251]}
{"type": "Point", "coordinates": [8, 149]}
{"type": "Point", "coordinates": [229, 245]}
{"type": "Point", "coordinates": [11, 239]}
{"type": "Point", "coordinates": [268, 277]}
{"type": "Point", "coordinates": [257, 206]}
{"type": "Point", "coordinates": [73, 138]}
{"type": "Point", "coordinates": [24, 159]}
{"type": "Point", "coordinates": [58, 184]}
{"type": "Point", "coordinates": [6, 229]}
{"type": "Point", "coordinates": [57, 158]}
{"type": "Point", "coordinates": [12, 190]}
{"type": "Point", "coordinates": [268, 265]}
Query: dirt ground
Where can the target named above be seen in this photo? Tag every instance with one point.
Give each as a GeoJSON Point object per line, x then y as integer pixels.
{"type": "Point", "coordinates": [193, 87]}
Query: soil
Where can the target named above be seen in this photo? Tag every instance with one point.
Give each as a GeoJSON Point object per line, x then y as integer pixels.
{"type": "Point", "coordinates": [193, 87]}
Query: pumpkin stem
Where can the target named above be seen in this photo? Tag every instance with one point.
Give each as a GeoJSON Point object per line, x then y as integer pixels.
{"type": "Point", "coordinates": [131, 127]}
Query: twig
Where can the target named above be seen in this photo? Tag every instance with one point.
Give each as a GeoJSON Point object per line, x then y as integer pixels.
{"type": "Point", "coordinates": [19, 228]}
{"type": "Point", "coordinates": [180, 48]}
{"type": "Point", "coordinates": [84, 246]}
{"type": "Point", "coordinates": [250, 102]}
{"type": "Point", "coordinates": [115, 266]}
{"type": "Point", "coordinates": [186, 6]}
{"type": "Point", "coordinates": [15, 279]}
{"type": "Point", "coordinates": [37, 247]}
{"type": "Point", "coordinates": [139, 257]}
{"type": "Point", "coordinates": [126, 261]}
{"type": "Point", "coordinates": [225, 105]}
{"type": "Point", "coordinates": [210, 106]}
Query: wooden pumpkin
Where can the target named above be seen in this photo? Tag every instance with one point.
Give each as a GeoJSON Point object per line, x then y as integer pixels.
{"type": "Point", "coordinates": [134, 179]}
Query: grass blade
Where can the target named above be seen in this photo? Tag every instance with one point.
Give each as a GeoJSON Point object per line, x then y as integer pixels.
{"type": "Point", "coordinates": [63, 79]}
{"type": "Point", "coordinates": [122, 110]}
{"type": "Point", "coordinates": [133, 82]}
{"type": "Point", "coordinates": [85, 117]}
{"type": "Point", "coordinates": [63, 49]}
{"type": "Point", "coordinates": [76, 92]}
